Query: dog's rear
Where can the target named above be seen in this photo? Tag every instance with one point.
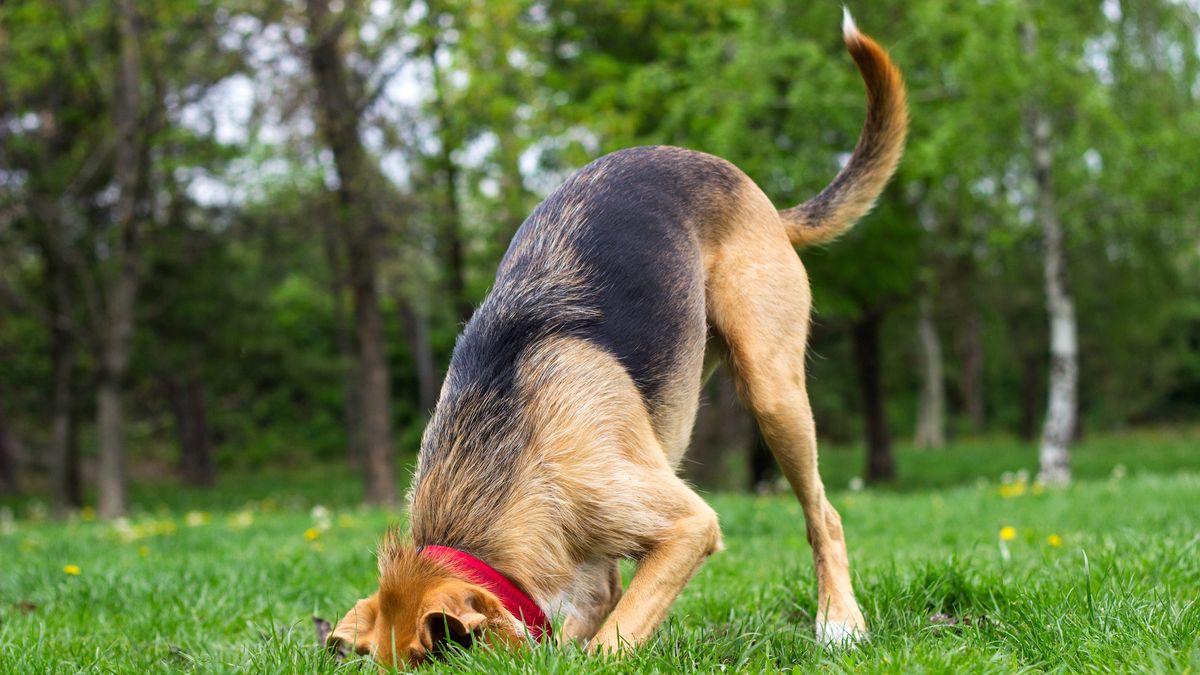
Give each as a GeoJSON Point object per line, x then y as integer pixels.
{"type": "Point", "coordinates": [571, 394]}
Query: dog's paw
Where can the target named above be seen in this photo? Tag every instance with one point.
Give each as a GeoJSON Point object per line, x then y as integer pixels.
{"type": "Point", "coordinates": [840, 634]}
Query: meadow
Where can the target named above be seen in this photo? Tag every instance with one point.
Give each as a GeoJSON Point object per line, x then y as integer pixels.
{"type": "Point", "coordinates": [964, 565]}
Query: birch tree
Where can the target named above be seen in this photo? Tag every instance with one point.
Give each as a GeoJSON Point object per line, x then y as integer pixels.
{"type": "Point", "coordinates": [1054, 455]}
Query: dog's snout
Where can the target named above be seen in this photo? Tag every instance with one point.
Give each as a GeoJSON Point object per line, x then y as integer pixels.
{"type": "Point", "coordinates": [416, 655]}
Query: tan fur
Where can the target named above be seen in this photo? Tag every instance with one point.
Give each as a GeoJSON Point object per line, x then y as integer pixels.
{"type": "Point", "coordinates": [852, 194]}
{"type": "Point", "coordinates": [759, 300]}
{"type": "Point", "coordinates": [582, 472]}
{"type": "Point", "coordinates": [418, 602]}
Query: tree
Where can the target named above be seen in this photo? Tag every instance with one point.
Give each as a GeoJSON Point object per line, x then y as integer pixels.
{"type": "Point", "coordinates": [1059, 429]}
{"type": "Point", "coordinates": [9, 483]}
{"type": "Point", "coordinates": [120, 274]}
{"type": "Point", "coordinates": [931, 418]}
{"type": "Point", "coordinates": [338, 110]}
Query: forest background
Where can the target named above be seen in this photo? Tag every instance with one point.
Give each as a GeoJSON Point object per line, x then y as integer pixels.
{"type": "Point", "coordinates": [237, 236]}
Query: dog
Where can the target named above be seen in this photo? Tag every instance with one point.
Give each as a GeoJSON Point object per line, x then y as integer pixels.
{"type": "Point", "coordinates": [571, 394]}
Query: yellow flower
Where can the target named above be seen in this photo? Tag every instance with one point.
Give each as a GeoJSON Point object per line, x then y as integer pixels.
{"type": "Point", "coordinates": [1054, 540]}
{"type": "Point", "coordinates": [1012, 490]}
{"type": "Point", "coordinates": [143, 551]}
{"type": "Point", "coordinates": [242, 519]}
{"type": "Point", "coordinates": [73, 570]}
{"type": "Point", "coordinates": [312, 533]}
{"type": "Point", "coordinates": [197, 518]}
{"type": "Point", "coordinates": [87, 513]}
{"type": "Point", "coordinates": [164, 528]}
{"type": "Point", "coordinates": [1008, 533]}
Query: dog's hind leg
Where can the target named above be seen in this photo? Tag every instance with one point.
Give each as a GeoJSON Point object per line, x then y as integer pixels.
{"type": "Point", "coordinates": [759, 300]}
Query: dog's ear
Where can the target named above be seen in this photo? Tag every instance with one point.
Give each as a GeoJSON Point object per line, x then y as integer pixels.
{"type": "Point", "coordinates": [459, 612]}
{"type": "Point", "coordinates": [356, 630]}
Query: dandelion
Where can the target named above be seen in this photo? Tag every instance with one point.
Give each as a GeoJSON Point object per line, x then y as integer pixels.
{"type": "Point", "coordinates": [320, 516]}
{"type": "Point", "coordinates": [87, 513]}
{"type": "Point", "coordinates": [123, 530]}
{"type": "Point", "coordinates": [1010, 490]}
{"type": "Point", "coordinates": [856, 484]}
{"type": "Point", "coordinates": [197, 518]}
{"type": "Point", "coordinates": [72, 570]}
{"type": "Point", "coordinates": [1119, 471]}
{"type": "Point", "coordinates": [242, 519]}
{"type": "Point", "coordinates": [311, 534]}
{"type": "Point", "coordinates": [163, 528]}
{"type": "Point", "coordinates": [1014, 484]}
{"type": "Point", "coordinates": [1008, 533]}
{"type": "Point", "coordinates": [1054, 540]}
{"type": "Point", "coordinates": [143, 551]}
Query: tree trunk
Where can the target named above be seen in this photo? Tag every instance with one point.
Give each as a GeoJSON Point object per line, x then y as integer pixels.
{"type": "Point", "coordinates": [64, 439]}
{"type": "Point", "coordinates": [1055, 453]}
{"type": "Point", "coordinates": [197, 466]}
{"type": "Point", "coordinates": [416, 328]}
{"type": "Point", "coordinates": [8, 459]}
{"type": "Point", "coordinates": [117, 325]}
{"type": "Point", "coordinates": [338, 119]}
{"type": "Point", "coordinates": [931, 416]}
{"type": "Point", "coordinates": [763, 468]}
{"type": "Point", "coordinates": [881, 466]}
{"type": "Point", "coordinates": [66, 486]}
{"type": "Point", "coordinates": [376, 394]}
{"type": "Point", "coordinates": [451, 213]}
{"type": "Point", "coordinates": [972, 369]}
{"type": "Point", "coordinates": [512, 183]}
{"type": "Point", "coordinates": [110, 477]}
{"type": "Point", "coordinates": [356, 451]}
{"type": "Point", "coordinates": [722, 426]}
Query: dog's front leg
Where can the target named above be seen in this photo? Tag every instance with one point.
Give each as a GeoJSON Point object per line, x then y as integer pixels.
{"type": "Point", "coordinates": [593, 596]}
{"type": "Point", "coordinates": [669, 562]}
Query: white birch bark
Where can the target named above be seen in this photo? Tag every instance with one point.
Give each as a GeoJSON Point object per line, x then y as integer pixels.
{"type": "Point", "coordinates": [1057, 432]}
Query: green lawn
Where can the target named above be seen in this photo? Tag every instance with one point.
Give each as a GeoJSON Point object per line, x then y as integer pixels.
{"type": "Point", "coordinates": [1104, 575]}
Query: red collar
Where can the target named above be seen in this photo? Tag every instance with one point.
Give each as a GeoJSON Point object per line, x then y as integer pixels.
{"type": "Point", "coordinates": [516, 601]}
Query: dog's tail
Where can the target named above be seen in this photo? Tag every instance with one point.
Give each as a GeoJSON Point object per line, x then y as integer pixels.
{"type": "Point", "coordinates": [854, 191]}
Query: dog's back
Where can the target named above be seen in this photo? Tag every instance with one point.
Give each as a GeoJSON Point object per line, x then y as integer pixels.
{"type": "Point", "coordinates": [620, 243]}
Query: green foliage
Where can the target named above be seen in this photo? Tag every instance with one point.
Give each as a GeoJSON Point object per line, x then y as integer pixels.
{"type": "Point", "coordinates": [234, 590]}
{"type": "Point", "coordinates": [237, 288]}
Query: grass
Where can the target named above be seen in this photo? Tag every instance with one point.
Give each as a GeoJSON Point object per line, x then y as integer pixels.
{"type": "Point", "coordinates": [227, 580]}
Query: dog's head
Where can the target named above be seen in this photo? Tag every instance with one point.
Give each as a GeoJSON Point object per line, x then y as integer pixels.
{"type": "Point", "coordinates": [421, 608]}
